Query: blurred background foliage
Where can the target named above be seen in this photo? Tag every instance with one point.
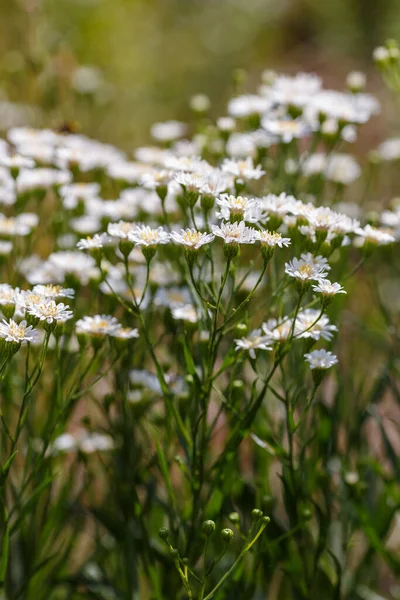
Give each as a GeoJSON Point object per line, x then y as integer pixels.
{"type": "Point", "coordinates": [116, 66]}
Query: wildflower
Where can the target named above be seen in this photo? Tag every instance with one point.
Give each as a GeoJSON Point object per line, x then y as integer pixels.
{"type": "Point", "coordinates": [242, 169]}
{"type": "Point", "coordinates": [390, 149]}
{"type": "Point", "coordinates": [226, 124]}
{"type": "Point", "coordinates": [14, 226]}
{"type": "Point", "coordinates": [168, 131]}
{"type": "Point", "coordinates": [287, 129]}
{"type": "Point", "coordinates": [125, 333]}
{"type": "Point", "coordinates": [238, 208]}
{"type": "Point", "coordinates": [294, 90]}
{"type": "Point", "coordinates": [342, 168]}
{"type": "Point", "coordinates": [98, 326]}
{"type": "Point", "coordinates": [93, 243]}
{"type": "Point", "coordinates": [372, 236]}
{"type": "Point", "coordinates": [8, 299]}
{"type": "Point", "coordinates": [307, 268]}
{"type": "Point", "coordinates": [269, 240]}
{"type": "Point", "coordinates": [121, 229]}
{"type": "Point", "coordinates": [248, 105]}
{"type": "Point", "coordinates": [328, 289]}
{"type": "Point", "coordinates": [143, 235]}
{"type": "Point", "coordinates": [321, 359]}
{"type": "Point", "coordinates": [255, 341]}
{"type": "Point", "coordinates": [311, 324]}
{"type": "Point", "coordinates": [192, 184]}
{"type": "Point", "coordinates": [186, 312]}
{"type": "Point", "coordinates": [16, 163]}
{"type": "Point", "coordinates": [278, 330]}
{"type": "Point", "coordinates": [16, 332]}
{"type": "Point", "coordinates": [53, 291]}
{"type": "Point", "coordinates": [192, 239]}
{"type": "Point", "coordinates": [234, 234]}
{"type": "Point", "coordinates": [50, 312]}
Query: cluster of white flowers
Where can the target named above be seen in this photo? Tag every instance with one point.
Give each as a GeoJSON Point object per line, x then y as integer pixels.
{"type": "Point", "coordinates": [118, 222]}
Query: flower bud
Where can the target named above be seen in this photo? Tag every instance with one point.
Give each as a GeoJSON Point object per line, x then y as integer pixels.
{"type": "Point", "coordinates": [234, 517]}
{"type": "Point", "coordinates": [231, 250]}
{"type": "Point", "coordinates": [174, 554]}
{"type": "Point", "coordinates": [241, 330]}
{"type": "Point", "coordinates": [265, 520]}
{"type": "Point", "coordinates": [227, 535]}
{"type": "Point", "coordinates": [163, 533]}
{"type": "Point", "coordinates": [208, 528]}
{"type": "Point", "coordinates": [256, 513]}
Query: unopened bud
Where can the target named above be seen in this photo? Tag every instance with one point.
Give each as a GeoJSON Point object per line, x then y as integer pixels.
{"type": "Point", "coordinates": [227, 535]}
{"type": "Point", "coordinates": [208, 528]}
{"type": "Point", "coordinates": [163, 533]}
{"type": "Point", "coordinates": [234, 517]}
{"type": "Point", "coordinates": [256, 513]}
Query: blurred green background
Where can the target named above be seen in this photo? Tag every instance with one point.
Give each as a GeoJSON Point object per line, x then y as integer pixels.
{"type": "Point", "coordinates": [116, 66]}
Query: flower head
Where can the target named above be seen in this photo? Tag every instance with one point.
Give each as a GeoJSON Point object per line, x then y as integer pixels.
{"type": "Point", "coordinates": [321, 359]}
{"type": "Point", "coordinates": [143, 235]}
{"type": "Point", "coordinates": [18, 333]}
{"type": "Point", "coordinates": [239, 208]}
{"type": "Point", "coordinates": [307, 268]}
{"type": "Point", "coordinates": [326, 288]}
{"type": "Point", "coordinates": [242, 169]}
{"type": "Point", "coordinates": [191, 238]}
{"type": "Point", "coordinates": [99, 325]}
{"type": "Point", "coordinates": [254, 341]}
{"type": "Point", "coordinates": [235, 233]}
{"type": "Point", "coordinates": [47, 310]}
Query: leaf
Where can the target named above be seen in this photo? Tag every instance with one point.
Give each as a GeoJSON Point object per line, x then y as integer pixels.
{"type": "Point", "coordinates": [34, 496]}
{"type": "Point", "coordinates": [165, 471]}
{"type": "Point", "coordinates": [4, 552]}
{"type": "Point", "coordinates": [6, 467]}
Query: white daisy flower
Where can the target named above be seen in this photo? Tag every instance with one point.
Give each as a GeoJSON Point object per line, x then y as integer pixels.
{"type": "Point", "coordinates": [143, 235]}
{"type": "Point", "coordinates": [156, 178]}
{"type": "Point", "coordinates": [278, 330]}
{"type": "Point", "coordinates": [13, 226]}
{"type": "Point", "coordinates": [248, 105]}
{"type": "Point", "coordinates": [309, 324]}
{"type": "Point", "coordinates": [186, 312]}
{"type": "Point", "coordinates": [99, 240]}
{"type": "Point", "coordinates": [47, 310]}
{"type": "Point", "coordinates": [125, 333]}
{"type": "Point", "coordinates": [286, 129]}
{"type": "Point", "coordinates": [342, 168]}
{"type": "Point", "coordinates": [53, 291]}
{"type": "Point", "coordinates": [227, 124]}
{"type": "Point", "coordinates": [239, 208]}
{"type": "Point", "coordinates": [190, 238]}
{"type": "Point", "coordinates": [307, 268]}
{"type": "Point", "coordinates": [235, 233]}
{"type": "Point", "coordinates": [99, 325]}
{"type": "Point", "coordinates": [193, 182]}
{"type": "Point", "coordinates": [216, 183]}
{"type": "Point", "coordinates": [17, 162]}
{"type": "Point", "coordinates": [375, 236]}
{"type": "Point", "coordinates": [168, 131]}
{"type": "Point", "coordinates": [242, 169]}
{"type": "Point", "coordinates": [326, 288]}
{"type": "Point", "coordinates": [390, 149]}
{"type": "Point", "coordinates": [321, 359]}
{"type": "Point", "coordinates": [277, 206]}
{"type": "Point", "coordinates": [18, 333]}
{"type": "Point", "coordinates": [254, 341]}
{"type": "Point", "coordinates": [8, 295]}
{"type": "Point", "coordinates": [121, 229]}
{"type": "Point", "coordinates": [272, 239]}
